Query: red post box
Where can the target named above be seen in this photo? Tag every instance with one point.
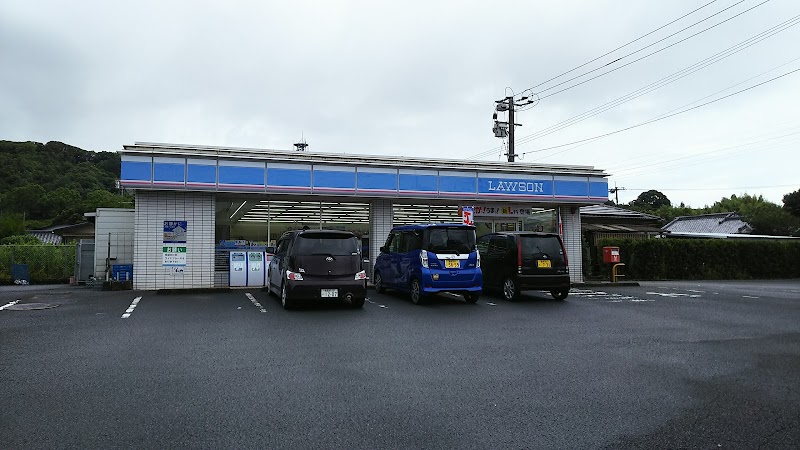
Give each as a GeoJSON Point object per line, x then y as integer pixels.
{"type": "Point", "coordinates": [611, 255]}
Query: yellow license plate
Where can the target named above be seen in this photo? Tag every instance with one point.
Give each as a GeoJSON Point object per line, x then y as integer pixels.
{"type": "Point", "coordinates": [543, 264]}
{"type": "Point", "coordinates": [452, 264]}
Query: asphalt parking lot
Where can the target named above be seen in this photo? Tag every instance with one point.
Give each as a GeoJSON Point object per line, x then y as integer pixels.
{"type": "Point", "coordinates": [662, 365]}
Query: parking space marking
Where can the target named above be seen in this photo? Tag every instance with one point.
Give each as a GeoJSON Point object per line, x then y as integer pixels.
{"type": "Point", "coordinates": [379, 305]}
{"type": "Point", "coordinates": [131, 308]}
{"type": "Point", "coordinates": [605, 296]}
{"type": "Point", "coordinates": [491, 304]}
{"type": "Point", "coordinates": [255, 302]}
{"type": "Point", "coordinates": [749, 296]}
{"type": "Point", "coordinates": [674, 294]}
{"type": "Point", "coordinates": [9, 304]}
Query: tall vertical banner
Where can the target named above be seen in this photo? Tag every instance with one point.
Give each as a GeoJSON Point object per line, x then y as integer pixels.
{"type": "Point", "coordinates": [468, 215]}
{"type": "Point", "coordinates": [174, 243]}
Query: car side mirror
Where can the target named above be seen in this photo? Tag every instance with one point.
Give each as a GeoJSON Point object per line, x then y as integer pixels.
{"type": "Point", "coordinates": [383, 249]}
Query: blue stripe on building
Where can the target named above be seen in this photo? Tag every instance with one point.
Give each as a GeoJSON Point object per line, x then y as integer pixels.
{"type": "Point", "coordinates": [136, 171]}
{"type": "Point", "coordinates": [233, 175]}
{"type": "Point", "coordinates": [169, 172]}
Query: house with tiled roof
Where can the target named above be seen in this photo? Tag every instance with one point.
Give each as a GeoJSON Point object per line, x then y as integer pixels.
{"type": "Point", "coordinates": [708, 225]}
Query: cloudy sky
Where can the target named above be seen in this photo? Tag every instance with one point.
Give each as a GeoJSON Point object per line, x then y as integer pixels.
{"type": "Point", "coordinates": [420, 78]}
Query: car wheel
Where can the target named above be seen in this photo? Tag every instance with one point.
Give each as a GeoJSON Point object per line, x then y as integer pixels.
{"type": "Point", "coordinates": [560, 294]}
{"type": "Point", "coordinates": [378, 282]}
{"type": "Point", "coordinates": [417, 296]}
{"type": "Point", "coordinates": [285, 301]}
{"type": "Point", "coordinates": [356, 303]}
{"type": "Point", "coordinates": [471, 297]}
{"type": "Point", "coordinates": [510, 290]}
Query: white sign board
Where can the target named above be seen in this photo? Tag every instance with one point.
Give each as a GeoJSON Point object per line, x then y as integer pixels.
{"type": "Point", "coordinates": [173, 247]}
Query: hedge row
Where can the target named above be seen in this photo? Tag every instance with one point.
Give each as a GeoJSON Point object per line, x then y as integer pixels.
{"type": "Point", "coordinates": [46, 263]}
{"type": "Point", "coordinates": [707, 259]}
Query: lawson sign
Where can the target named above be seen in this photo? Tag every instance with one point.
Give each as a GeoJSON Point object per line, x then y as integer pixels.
{"type": "Point", "coordinates": [522, 186]}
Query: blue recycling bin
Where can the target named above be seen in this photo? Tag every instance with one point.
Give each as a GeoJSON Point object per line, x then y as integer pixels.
{"type": "Point", "coordinates": [122, 272]}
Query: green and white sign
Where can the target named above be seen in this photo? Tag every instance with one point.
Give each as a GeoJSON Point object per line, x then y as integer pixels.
{"type": "Point", "coordinates": [173, 248]}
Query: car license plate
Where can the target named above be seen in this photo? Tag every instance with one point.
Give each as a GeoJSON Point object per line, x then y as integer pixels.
{"type": "Point", "coordinates": [452, 264]}
{"type": "Point", "coordinates": [543, 264]}
{"type": "Point", "coordinates": [329, 293]}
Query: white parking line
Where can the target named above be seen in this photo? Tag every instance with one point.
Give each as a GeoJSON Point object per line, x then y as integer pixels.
{"type": "Point", "coordinates": [131, 308]}
{"type": "Point", "coordinates": [491, 304]}
{"type": "Point", "coordinates": [379, 305]}
{"type": "Point", "coordinates": [674, 294]}
{"type": "Point", "coordinates": [9, 304]}
{"type": "Point", "coordinates": [255, 302]}
{"type": "Point", "coordinates": [749, 296]}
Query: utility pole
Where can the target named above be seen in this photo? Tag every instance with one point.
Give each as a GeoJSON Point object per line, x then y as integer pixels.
{"type": "Point", "coordinates": [615, 190]}
{"type": "Point", "coordinates": [506, 129]}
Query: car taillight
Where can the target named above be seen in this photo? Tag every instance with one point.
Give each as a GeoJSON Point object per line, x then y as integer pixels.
{"type": "Point", "coordinates": [423, 258]}
{"type": "Point", "coordinates": [361, 275]}
{"type": "Point", "coordinates": [566, 259]}
{"type": "Point", "coordinates": [519, 256]}
{"type": "Point", "coordinates": [293, 276]}
{"type": "Point", "coordinates": [477, 259]}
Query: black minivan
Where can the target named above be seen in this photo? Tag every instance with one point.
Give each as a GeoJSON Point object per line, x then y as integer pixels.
{"type": "Point", "coordinates": [318, 265]}
{"type": "Point", "coordinates": [516, 261]}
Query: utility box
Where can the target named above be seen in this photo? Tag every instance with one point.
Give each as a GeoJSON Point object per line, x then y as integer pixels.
{"type": "Point", "coordinates": [611, 255]}
{"type": "Point", "coordinates": [255, 269]}
{"type": "Point", "coordinates": [237, 275]}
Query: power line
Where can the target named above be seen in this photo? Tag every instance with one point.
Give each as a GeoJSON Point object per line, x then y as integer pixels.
{"type": "Point", "coordinates": [663, 116]}
{"type": "Point", "coordinates": [747, 144]}
{"type": "Point", "coordinates": [730, 51]}
{"type": "Point", "coordinates": [624, 45]}
{"type": "Point", "coordinates": [706, 160]}
{"type": "Point", "coordinates": [667, 80]}
{"type": "Point", "coordinates": [638, 59]}
{"type": "Point", "coordinates": [714, 188]}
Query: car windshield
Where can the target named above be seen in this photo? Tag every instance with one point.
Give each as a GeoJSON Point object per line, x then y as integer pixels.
{"type": "Point", "coordinates": [335, 244]}
{"type": "Point", "coordinates": [542, 247]}
{"type": "Point", "coordinates": [450, 240]}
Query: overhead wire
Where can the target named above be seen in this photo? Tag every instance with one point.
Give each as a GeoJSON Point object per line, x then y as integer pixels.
{"type": "Point", "coordinates": [624, 45]}
{"type": "Point", "coordinates": [641, 58]}
{"type": "Point", "coordinates": [730, 51]}
{"type": "Point", "coordinates": [650, 45]}
{"type": "Point", "coordinates": [668, 115]}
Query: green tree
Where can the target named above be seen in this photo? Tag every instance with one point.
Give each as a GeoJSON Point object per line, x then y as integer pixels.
{"type": "Point", "coordinates": [764, 216]}
{"type": "Point", "coordinates": [651, 200]}
{"type": "Point", "coordinates": [11, 224]}
{"type": "Point", "coordinates": [791, 203]}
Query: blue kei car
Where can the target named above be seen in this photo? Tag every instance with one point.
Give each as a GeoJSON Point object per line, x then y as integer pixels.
{"type": "Point", "coordinates": [426, 259]}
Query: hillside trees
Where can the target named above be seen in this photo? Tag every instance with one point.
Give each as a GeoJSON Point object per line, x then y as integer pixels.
{"type": "Point", "coordinates": [54, 184]}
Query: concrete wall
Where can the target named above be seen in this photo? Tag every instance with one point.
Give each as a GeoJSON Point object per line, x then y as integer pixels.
{"type": "Point", "coordinates": [113, 226]}
{"type": "Point", "coordinates": [152, 209]}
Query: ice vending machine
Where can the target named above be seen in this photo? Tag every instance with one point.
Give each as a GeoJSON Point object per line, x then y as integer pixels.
{"type": "Point", "coordinates": [238, 269]}
{"type": "Point", "coordinates": [255, 268]}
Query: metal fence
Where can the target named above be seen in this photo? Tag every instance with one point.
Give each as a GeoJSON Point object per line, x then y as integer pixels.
{"type": "Point", "coordinates": [44, 263]}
